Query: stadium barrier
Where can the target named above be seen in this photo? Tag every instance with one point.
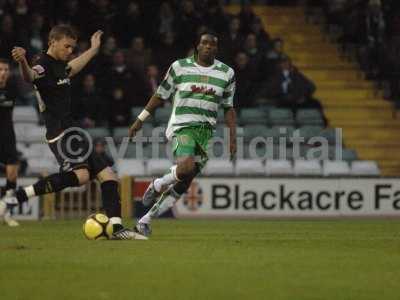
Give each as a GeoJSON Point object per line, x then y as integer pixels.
{"type": "Point", "coordinates": [234, 197]}
{"type": "Point", "coordinates": [284, 197]}
{"type": "Point", "coordinates": [79, 202]}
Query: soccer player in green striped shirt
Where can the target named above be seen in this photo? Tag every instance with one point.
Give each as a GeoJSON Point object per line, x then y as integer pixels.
{"type": "Point", "coordinates": [197, 86]}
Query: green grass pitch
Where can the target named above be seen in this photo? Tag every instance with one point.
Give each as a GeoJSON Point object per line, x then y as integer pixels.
{"type": "Point", "coordinates": [205, 259]}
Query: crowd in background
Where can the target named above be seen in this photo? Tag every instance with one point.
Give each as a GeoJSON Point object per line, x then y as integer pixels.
{"type": "Point", "coordinates": [142, 38]}
{"type": "Point", "coordinates": [371, 30]}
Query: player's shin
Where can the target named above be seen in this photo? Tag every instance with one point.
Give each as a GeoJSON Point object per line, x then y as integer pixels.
{"type": "Point", "coordinates": [163, 182]}
{"type": "Point", "coordinates": [112, 203]}
{"type": "Point", "coordinates": [50, 184]}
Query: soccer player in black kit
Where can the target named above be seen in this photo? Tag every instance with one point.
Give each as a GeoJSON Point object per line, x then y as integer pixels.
{"type": "Point", "coordinates": [72, 148]}
{"type": "Point", "coordinates": [8, 149]}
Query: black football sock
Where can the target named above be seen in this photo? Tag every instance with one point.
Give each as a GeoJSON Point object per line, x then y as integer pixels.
{"type": "Point", "coordinates": [50, 184]}
{"type": "Point", "coordinates": [112, 202]}
{"type": "Point", "coordinates": [55, 183]}
{"type": "Point", "coordinates": [11, 185]}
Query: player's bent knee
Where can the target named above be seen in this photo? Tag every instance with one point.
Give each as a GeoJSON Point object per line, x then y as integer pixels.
{"type": "Point", "coordinates": [83, 175]}
{"type": "Point", "coordinates": [186, 170]}
{"type": "Point", "coordinates": [107, 174]}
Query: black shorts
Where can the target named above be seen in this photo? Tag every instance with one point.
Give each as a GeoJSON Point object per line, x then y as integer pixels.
{"type": "Point", "coordinates": [75, 150]}
{"type": "Point", "coordinates": [8, 147]}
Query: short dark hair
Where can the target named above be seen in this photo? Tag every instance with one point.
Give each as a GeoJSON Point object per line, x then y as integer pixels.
{"type": "Point", "coordinates": [4, 61]}
{"type": "Point", "coordinates": [207, 32]}
{"type": "Point", "coordinates": [60, 31]}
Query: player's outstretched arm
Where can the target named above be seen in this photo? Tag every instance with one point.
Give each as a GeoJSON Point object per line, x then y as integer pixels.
{"type": "Point", "coordinates": [19, 55]}
{"type": "Point", "coordinates": [230, 121]}
{"type": "Point", "coordinates": [77, 64]}
{"type": "Point", "coordinates": [154, 102]}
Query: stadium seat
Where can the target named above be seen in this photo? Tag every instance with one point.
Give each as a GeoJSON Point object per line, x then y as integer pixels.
{"type": "Point", "coordinates": [249, 167]}
{"type": "Point", "coordinates": [131, 167]}
{"type": "Point", "coordinates": [349, 155]}
{"type": "Point", "coordinates": [25, 114]}
{"type": "Point", "coordinates": [308, 132]}
{"type": "Point", "coordinates": [221, 116]}
{"type": "Point", "coordinates": [282, 131]}
{"type": "Point", "coordinates": [158, 166]}
{"type": "Point", "coordinates": [330, 135]}
{"type": "Point", "coordinates": [309, 117]}
{"type": "Point", "coordinates": [98, 132]}
{"type": "Point", "coordinates": [336, 168]}
{"type": "Point", "coordinates": [253, 116]}
{"type": "Point", "coordinates": [41, 166]}
{"type": "Point", "coordinates": [119, 133]}
{"type": "Point", "coordinates": [135, 111]}
{"type": "Point", "coordinates": [218, 167]}
{"type": "Point", "coordinates": [252, 131]}
{"type": "Point", "coordinates": [364, 168]}
{"type": "Point", "coordinates": [38, 150]}
{"type": "Point", "coordinates": [35, 134]}
{"type": "Point", "coordinates": [309, 152]}
{"type": "Point", "coordinates": [281, 117]}
{"type": "Point", "coordinates": [307, 167]}
{"type": "Point", "coordinates": [158, 150]}
{"type": "Point", "coordinates": [278, 167]}
{"type": "Point", "coordinates": [130, 151]}
{"type": "Point", "coordinates": [218, 151]}
{"type": "Point", "coordinates": [161, 115]}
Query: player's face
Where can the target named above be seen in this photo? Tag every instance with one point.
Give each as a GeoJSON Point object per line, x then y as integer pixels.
{"type": "Point", "coordinates": [63, 48]}
{"type": "Point", "coordinates": [208, 47]}
{"type": "Point", "coordinates": [4, 72]}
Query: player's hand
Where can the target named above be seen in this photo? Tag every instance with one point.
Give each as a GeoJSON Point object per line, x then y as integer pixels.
{"type": "Point", "coordinates": [232, 149]}
{"type": "Point", "coordinates": [136, 126]}
{"type": "Point", "coordinates": [18, 54]}
{"type": "Point", "coordinates": [95, 40]}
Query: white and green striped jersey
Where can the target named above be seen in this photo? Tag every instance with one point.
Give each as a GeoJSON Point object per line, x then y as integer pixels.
{"type": "Point", "coordinates": [196, 92]}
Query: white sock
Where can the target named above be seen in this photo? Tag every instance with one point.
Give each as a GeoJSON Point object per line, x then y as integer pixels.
{"type": "Point", "coordinates": [30, 191]}
{"type": "Point", "coordinates": [116, 220]}
{"type": "Point", "coordinates": [166, 180]}
{"type": "Point", "coordinates": [167, 204]}
{"type": "Point", "coordinates": [146, 219]}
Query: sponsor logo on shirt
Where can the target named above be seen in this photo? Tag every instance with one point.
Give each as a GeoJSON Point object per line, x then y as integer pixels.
{"type": "Point", "coordinates": [64, 81]}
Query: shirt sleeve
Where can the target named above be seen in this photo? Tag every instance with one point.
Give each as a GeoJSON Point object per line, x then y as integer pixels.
{"type": "Point", "coordinates": [168, 84]}
{"type": "Point", "coordinates": [40, 70]}
{"type": "Point", "coordinates": [229, 92]}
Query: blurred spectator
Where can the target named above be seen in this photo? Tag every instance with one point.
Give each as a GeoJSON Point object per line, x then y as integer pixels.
{"type": "Point", "coordinates": [215, 18]}
{"type": "Point", "coordinates": [118, 108]}
{"type": "Point", "coordinates": [290, 88]}
{"type": "Point", "coordinates": [254, 53]}
{"type": "Point", "coordinates": [166, 20]}
{"type": "Point", "coordinates": [246, 16]}
{"type": "Point", "coordinates": [128, 23]}
{"type": "Point", "coordinates": [167, 51]}
{"type": "Point", "coordinates": [245, 81]}
{"type": "Point", "coordinates": [100, 149]}
{"type": "Point", "coordinates": [118, 74]}
{"type": "Point", "coordinates": [271, 58]}
{"type": "Point", "coordinates": [89, 105]}
{"type": "Point", "coordinates": [231, 42]}
{"type": "Point", "coordinates": [152, 79]}
{"type": "Point", "coordinates": [37, 34]}
{"type": "Point", "coordinates": [72, 12]}
{"type": "Point", "coordinates": [9, 36]}
{"type": "Point", "coordinates": [105, 57]}
{"type": "Point", "coordinates": [187, 24]}
{"type": "Point", "coordinates": [138, 57]}
{"type": "Point", "coordinates": [101, 17]}
{"type": "Point", "coordinates": [263, 39]}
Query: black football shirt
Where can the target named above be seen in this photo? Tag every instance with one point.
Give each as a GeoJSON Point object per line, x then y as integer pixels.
{"type": "Point", "coordinates": [8, 95]}
{"type": "Point", "coordinates": [53, 88]}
